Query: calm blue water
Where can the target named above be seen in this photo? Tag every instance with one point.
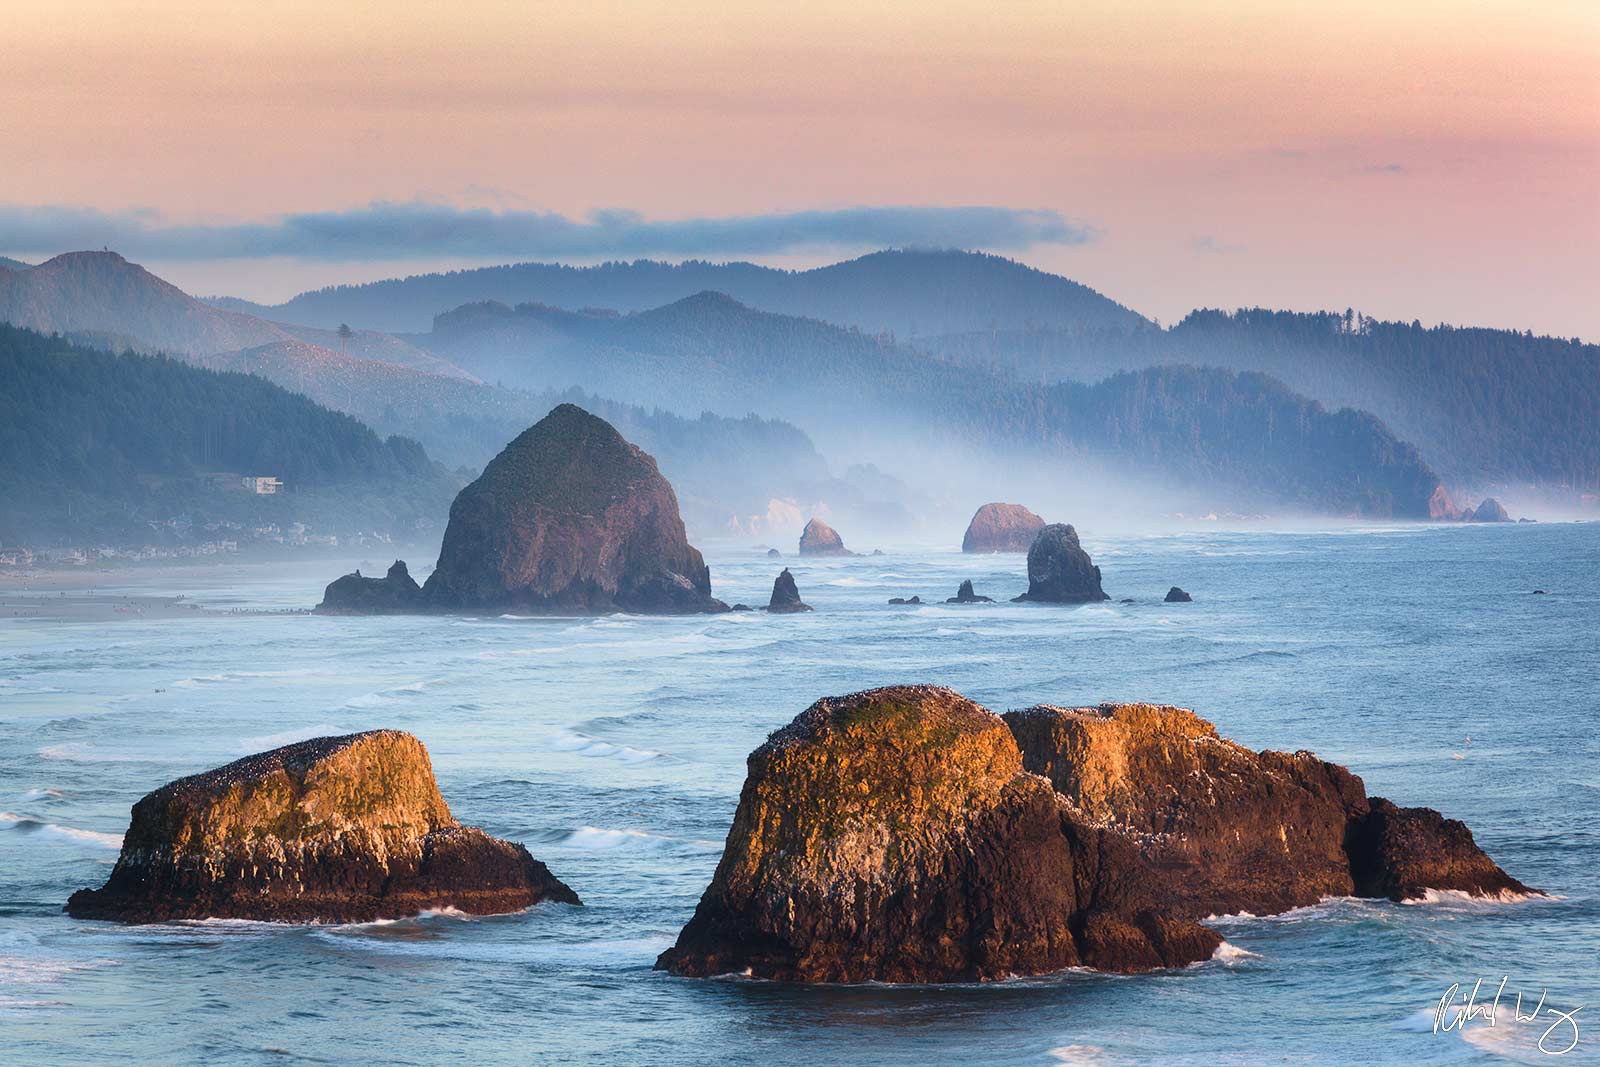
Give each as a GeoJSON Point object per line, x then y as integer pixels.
{"type": "Point", "coordinates": [614, 748]}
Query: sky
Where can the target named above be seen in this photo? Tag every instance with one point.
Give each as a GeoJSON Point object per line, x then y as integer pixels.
{"type": "Point", "coordinates": [1429, 160]}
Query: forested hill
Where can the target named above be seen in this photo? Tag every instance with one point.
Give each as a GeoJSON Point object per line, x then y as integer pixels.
{"type": "Point", "coordinates": [99, 445]}
{"type": "Point", "coordinates": [1208, 431]}
{"type": "Point", "coordinates": [1486, 407]}
{"type": "Point", "coordinates": [907, 293]}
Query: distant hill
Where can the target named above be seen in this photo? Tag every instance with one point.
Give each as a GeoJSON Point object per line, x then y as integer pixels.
{"type": "Point", "coordinates": [101, 298]}
{"type": "Point", "coordinates": [1487, 407]}
{"type": "Point", "coordinates": [1202, 429]}
{"type": "Point", "coordinates": [95, 446]}
{"type": "Point", "coordinates": [7, 263]}
{"type": "Point", "coordinates": [907, 293]}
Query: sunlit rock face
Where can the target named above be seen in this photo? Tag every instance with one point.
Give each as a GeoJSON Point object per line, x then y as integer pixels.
{"type": "Point", "coordinates": [1001, 527]}
{"type": "Point", "coordinates": [335, 829]}
{"type": "Point", "coordinates": [820, 539]}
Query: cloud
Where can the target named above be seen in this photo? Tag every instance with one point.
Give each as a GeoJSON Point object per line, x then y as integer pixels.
{"type": "Point", "coordinates": [385, 230]}
{"type": "Point", "coordinates": [1383, 168]}
{"type": "Point", "coordinates": [1214, 245]}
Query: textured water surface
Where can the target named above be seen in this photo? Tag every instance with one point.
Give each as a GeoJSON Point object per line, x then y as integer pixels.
{"type": "Point", "coordinates": [614, 749]}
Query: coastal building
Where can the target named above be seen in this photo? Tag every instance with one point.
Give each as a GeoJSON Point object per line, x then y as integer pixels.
{"type": "Point", "coordinates": [262, 485]}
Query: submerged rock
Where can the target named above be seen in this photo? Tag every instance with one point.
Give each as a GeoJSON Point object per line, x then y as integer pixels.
{"type": "Point", "coordinates": [786, 595]}
{"type": "Point", "coordinates": [395, 593]}
{"type": "Point", "coordinates": [893, 835]}
{"type": "Point", "coordinates": [1490, 510]}
{"type": "Point", "coordinates": [1178, 596]}
{"type": "Point", "coordinates": [1239, 830]}
{"type": "Point", "coordinates": [1001, 528]}
{"type": "Point", "coordinates": [820, 539]}
{"type": "Point", "coordinates": [335, 829]}
{"type": "Point", "coordinates": [569, 519]}
{"type": "Point", "coordinates": [773, 553]}
{"type": "Point", "coordinates": [1059, 570]}
{"type": "Point", "coordinates": [905, 600]}
{"type": "Point", "coordinates": [965, 595]}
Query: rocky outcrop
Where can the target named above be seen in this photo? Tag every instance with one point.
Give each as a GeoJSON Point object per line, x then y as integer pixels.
{"type": "Point", "coordinates": [1490, 510]}
{"type": "Point", "coordinates": [786, 595]}
{"type": "Point", "coordinates": [1001, 528]}
{"type": "Point", "coordinates": [1059, 570]}
{"type": "Point", "coordinates": [965, 595]}
{"type": "Point", "coordinates": [905, 600]}
{"type": "Point", "coordinates": [395, 593]}
{"type": "Point", "coordinates": [893, 835]}
{"type": "Point", "coordinates": [773, 553]}
{"type": "Point", "coordinates": [336, 829]}
{"type": "Point", "coordinates": [1240, 830]}
{"type": "Point", "coordinates": [1177, 596]}
{"type": "Point", "coordinates": [1441, 508]}
{"type": "Point", "coordinates": [569, 519]}
{"type": "Point", "coordinates": [820, 539]}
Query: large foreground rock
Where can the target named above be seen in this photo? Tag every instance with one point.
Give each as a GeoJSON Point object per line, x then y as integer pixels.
{"type": "Point", "coordinates": [336, 829]}
{"type": "Point", "coordinates": [893, 835]}
{"type": "Point", "coordinates": [569, 519]}
{"type": "Point", "coordinates": [395, 593]}
{"type": "Point", "coordinates": [820, 539]}
{"type": "Point", "coordinates": [1059, 570]}
{"type": "Point", "coordinates": [1001, 528]}
{"type": "Point", "coordinates": [1243, 831]}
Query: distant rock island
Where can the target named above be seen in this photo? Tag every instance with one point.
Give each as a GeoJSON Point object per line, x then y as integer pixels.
{"type": "Point", "coordinates": [984, 847]}
{"type": "Point", "coordinates": [568, 519]}
{"type": "Point", "coordinates": [965, 595]}
{"type": "Point", "coordinates": [1490, 510]}
{"type": "Point", "coordinates": [1001, 527]}
{"type": "Point", "coordinates": [820, 539]}
{"type": "Point", "coordinates": [1177, 596]}
{"type": "Point", "coordinates": [786, 595]}
{"type": "Point", "coordinates": [335, 829]}
{"type": "Point", "coordinates": [1060, 571]}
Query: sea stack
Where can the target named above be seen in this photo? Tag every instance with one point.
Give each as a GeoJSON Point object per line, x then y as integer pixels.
{"type": "Point", "coordinates": [335, 829]}
{"type": "Point", "coordinates": [820, 539]}
{"type": "Point", "coordinates": [893, 835]}
{"type": "Point", "coordinates": [965, 595]}
{"type": "Point", "coordinates": [569, 519]}
{"type": "Point", "coordinates": [1491, 510]}
{"type": "Point", "coordinates": [1239, 830]}
{"type": "Point", "coordinates": [1060, 571]}
{"type": "Point", "coordinates": [786, 595]}
{"type": "Point", "coordinates": [1000, 527]}
{"type": "Point", "coordinates": [395, 593]}
{"type": "Point", "coordinates": [1178, 596]}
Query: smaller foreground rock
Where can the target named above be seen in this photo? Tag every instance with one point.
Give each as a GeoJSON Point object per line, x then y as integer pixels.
{"type": "Point", "coordinates": [965, 595]}
{"type": "Point", "coordinates": [1178, 596]}
{"type": "Point", "coordinates": [395, 593]}
{"type": "Point", "coordinates": [786, 595]}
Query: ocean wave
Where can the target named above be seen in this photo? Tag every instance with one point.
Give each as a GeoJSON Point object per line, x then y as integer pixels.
{"type": "Point", "coordinates": [84, 752]}
{"type": "Point", "coordinates": [1458, 900]}
{"type": "Point", "coordinates": [1083, 1056]}
{"type": "Point", "coordinates": [1229, 955]}
{"type": "Point", "coordinates": [28, 824]}
{"type": "Point", "coordinates": [600, 839]}
{"type": "Point", "coordinates": [566, 740]}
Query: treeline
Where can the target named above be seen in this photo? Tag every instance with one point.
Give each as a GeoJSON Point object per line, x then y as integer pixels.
{"type": "Point", "coordinates": [93, 443]}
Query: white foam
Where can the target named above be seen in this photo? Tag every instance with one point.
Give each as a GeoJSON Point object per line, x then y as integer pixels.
{"type": "Point", "coordinates": [71, 833]}
{"type": "Point", "coordinates": [566, 740]}
{"type": "Point", "coordinates": [1083, 1056]}
{"type": "Point", "coordinates": [1229, 954]}
{"type": "Point", "coordinates": [1459, 898]}
{"type": "Point", "coordinates": [600, 839]}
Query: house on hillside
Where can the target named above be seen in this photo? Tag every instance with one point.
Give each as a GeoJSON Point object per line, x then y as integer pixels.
{"type": "Point", "coordinates": [262, 485]}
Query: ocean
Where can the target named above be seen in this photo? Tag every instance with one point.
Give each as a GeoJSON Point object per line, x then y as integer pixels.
{"type": "Point", "coordinates": [614, 749]}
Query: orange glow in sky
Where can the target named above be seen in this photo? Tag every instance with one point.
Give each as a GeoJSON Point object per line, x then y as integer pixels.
{"type": "Point", "coordinates": [1436, 160]}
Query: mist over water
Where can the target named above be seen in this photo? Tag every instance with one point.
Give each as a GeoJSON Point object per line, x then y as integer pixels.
{"type": "Point", "coordinates": [614, 749]}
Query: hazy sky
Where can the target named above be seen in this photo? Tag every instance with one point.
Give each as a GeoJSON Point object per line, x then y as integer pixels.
{"type": "Point", "coordinates": [1436, 160]}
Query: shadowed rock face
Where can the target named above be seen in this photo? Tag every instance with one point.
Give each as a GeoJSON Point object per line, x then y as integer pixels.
{"type": "Point", "coordinates": [1001, 528]}
{"type": "Point", "coordinates": [893, 835]}
{"type": "Point", "coordinates": [1059, 570]}
{"type": "Point", "coordinates": [395, 593]}
{"type": "Point", "coordinates": [1178, 596]}
{"type": "Point", "coordinates": [1240, 830]}
{"type": "Point", "coordinates": [820, 539]}
{"type": "Point", "coordinates": [335, 829]}
{"type": "Point", "coordinates": [786, 595]}
{"type": "Point", "coordinates": [570, 519]}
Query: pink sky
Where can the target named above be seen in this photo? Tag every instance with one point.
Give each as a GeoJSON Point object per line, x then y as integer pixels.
{"type": "Point", "coordinates": [1425, 160]}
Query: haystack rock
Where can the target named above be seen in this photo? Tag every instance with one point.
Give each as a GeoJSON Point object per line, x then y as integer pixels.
{"type": "Point", "coordinates": [965, 595]}
{"type": "Point", "coordinates": [569, 519]}
{"type": "Point", "coordinates": [1239, 830]}
{"type": "Point", "coordinates": [1001, 528]}
{"type": "Point", "coordinates": [893, 835]}
{"type": "Point", "coordinates": [336, 829]}
{"type": "Point", "coordinates": [1491, 510]}
{"type": "Point", "coordinates": [1177, 596]}
{"type": "Point", "coordinates": [1059, 570]}
{"type": "Point", "coordinates": [773, 553]}
{"type": "Point", "coordinates": [786, 595]}
{"type": "Point", "coordinates": [395, 593]}
{"type": "Point", "coordinates": [820, 539]}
